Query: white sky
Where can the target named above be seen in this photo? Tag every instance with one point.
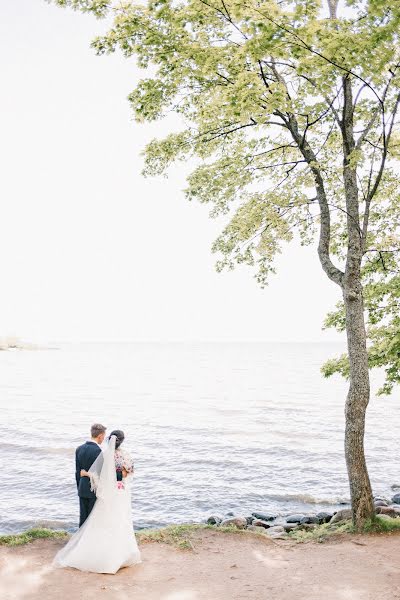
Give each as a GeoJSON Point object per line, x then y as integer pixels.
{"type": "Point", "coordinates": [90, 250]}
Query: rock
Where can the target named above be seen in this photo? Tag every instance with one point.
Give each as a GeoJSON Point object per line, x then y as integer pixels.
{"type": "Point", "coordinates": [239, 522]}
{"type": "Point", "coordinates": [289, 526]}
{"type": "Point", "coordinates": [388, 510]}
{"type": "Point", "coordinates": [214, 520]}
{"type": "Point", "coordinates": [310, 519]}
{"type": "Point", "coordinates": [396, 499]}
{"type": "Point", "coordinates": [249, 520]}
{"type": "Point", "coordinates": [324, 517]}
{"type": "Point", "coordinates": [380, 503]}
{"type": "Point", "coordinates": [278, 531]}
{"type": "Point", "coordinates": [307, 525]}
{"type": "Point", "coordinates": [263, 516]}
{"type": "Point", "coordinates": [257, 529]}
{"type": "Point", "coordinates": [382, 498]}
{"type": "Point", "coordinates": [261, 523]}
{"type": "Point", "coordinates": [341, 515]}
{"type": "Point", "coordinates": [230, 514]}
{"type": "Point", "coordinates": [386, 517]}
{"type": "Point", "coordinates": [295, 518]}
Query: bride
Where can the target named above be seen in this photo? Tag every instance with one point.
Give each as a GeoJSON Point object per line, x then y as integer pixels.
{"type": "Point", "coordinates": [106, 541]}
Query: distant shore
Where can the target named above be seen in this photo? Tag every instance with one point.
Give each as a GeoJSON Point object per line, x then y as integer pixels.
{"type": "Point", "coordinates": [13, 343]}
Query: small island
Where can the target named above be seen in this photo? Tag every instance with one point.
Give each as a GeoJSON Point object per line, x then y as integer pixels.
{"type": "Point", "coordinates": [15, 343]}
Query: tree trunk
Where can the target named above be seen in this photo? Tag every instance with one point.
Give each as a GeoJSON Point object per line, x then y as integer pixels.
{"type": "Point", "coordinates": [356, 405]}
{"type": "Point", "coordinates": [362, 502]}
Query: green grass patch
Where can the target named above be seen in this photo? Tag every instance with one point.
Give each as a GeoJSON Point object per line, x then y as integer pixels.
{"type": "Point", "coordinates": [381, 524]}
{"type": "Point", "coordinates": [325, 531]}
{"type": "Point", "coordinates": [321, 532]}
{"type": "Point", "coordinates": [29, 536]}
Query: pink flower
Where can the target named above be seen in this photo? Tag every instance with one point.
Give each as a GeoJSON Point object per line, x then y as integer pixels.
{"type": "Point", "coordinates": [120, 485]}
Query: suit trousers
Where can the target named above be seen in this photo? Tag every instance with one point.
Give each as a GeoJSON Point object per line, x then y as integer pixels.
{"type": "Point", "coordinates": [86, 506]}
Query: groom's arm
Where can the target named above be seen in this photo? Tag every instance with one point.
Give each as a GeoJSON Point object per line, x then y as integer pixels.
{"type": "Point", "coordinates": [77, 468]}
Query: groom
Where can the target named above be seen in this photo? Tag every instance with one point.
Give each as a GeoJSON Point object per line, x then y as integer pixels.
{"type": "Point", "coordinates": [85, 456]}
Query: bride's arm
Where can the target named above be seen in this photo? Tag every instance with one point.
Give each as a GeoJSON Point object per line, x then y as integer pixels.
{"type": "Point", "coordinates": [128, 466]}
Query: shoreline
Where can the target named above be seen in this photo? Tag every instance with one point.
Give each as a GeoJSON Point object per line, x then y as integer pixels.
{"type": "Point", "coordinates": [274, 526]}
{"type": "Point", "coordinates": [242, 520]}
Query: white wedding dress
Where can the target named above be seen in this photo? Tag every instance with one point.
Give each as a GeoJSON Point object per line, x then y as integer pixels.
{"type": "Point", "coordinates": [106, 541]}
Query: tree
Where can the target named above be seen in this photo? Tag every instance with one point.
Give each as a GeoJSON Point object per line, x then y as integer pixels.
{"type": "Point", "coordinates": [289, 108]}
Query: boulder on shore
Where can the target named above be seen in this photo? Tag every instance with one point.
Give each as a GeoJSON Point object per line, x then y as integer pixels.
{"type": "Point", "coordinates": [277, 531]}
{"type": "Point", "coordinates": [386, 517]}
{"type": "Point", "coordinates": [214, 520]}
{"type": "Point", "coordinates": [263, 516]}
{"type": "Point", "coordinates": [239, 522]}
{"type": "Point", "coordinates": [261, 523]}
{"type": "Point", "coordinates": [289, 526]}
{"type": "Point", "coordinates": [307, 526]}
{"type": "Point", "coordinates": [389, 511]}
{"type": "Point", "coordinates": [324, 517]}
{"type": "Point", "coordinates": [341, 515]}
{"type": "Point", "coordinates": [295, 518]}
{"type": "Point", "coordinates": [396, 499]}
{"type": "Point", "coordinates": [310, 519]}
{"type": "Point", "coordinates": [256, 529]}
{"type": "Point", "coordinates": [381, 499]}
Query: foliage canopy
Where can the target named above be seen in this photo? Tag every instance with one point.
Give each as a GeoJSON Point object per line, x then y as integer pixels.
{"type": "Point", "coordinates": [262, 88]}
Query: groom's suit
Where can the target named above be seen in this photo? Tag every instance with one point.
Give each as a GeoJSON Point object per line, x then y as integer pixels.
{"type": "Point", "coordinates": [85, 456]}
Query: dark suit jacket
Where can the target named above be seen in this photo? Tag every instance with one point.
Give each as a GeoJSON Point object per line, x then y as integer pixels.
{"type": "Point", "coordinates": [85, 456]}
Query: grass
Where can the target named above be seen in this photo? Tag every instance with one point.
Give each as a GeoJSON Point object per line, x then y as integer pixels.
{"type": "Point", "coordinates": [321, 532]}
{"type": "Point", "coordinates": [382, 525]}
{"type": "Point", "coordinates": [326, 531]}
{"type": "Point", "coordinates": [181, 536]}
{"type": "Point", "coordinates": [29, 536]}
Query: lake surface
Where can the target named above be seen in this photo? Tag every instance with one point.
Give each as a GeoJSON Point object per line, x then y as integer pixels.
{"type": "Point", "coordinates": [213, 428]}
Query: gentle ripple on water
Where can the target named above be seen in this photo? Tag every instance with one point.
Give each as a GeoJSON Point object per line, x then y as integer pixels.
{"type": "Point", "coordinates": [212, 427]}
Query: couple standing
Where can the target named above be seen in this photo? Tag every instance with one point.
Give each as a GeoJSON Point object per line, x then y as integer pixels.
{"type": "Point", "coordinates": [105, 541]}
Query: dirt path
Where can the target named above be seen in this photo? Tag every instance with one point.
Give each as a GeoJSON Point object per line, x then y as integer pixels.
{"type": "Point", "coordinates": [222, 567]}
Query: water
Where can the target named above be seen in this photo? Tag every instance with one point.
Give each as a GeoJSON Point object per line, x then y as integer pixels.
{"type": "Point", "coordinates": [212, 427]}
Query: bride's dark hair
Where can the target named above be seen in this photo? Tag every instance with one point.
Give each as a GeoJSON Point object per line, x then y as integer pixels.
{"type": "Point", "coordinates": [119, 435]}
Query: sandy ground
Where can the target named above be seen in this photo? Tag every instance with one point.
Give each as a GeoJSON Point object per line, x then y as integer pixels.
{"type": "Point", "coordinates": [221, 567]}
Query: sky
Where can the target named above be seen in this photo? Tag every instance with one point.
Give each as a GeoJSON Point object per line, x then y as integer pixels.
{"type": "Point", "coordinates": [90, 249]}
